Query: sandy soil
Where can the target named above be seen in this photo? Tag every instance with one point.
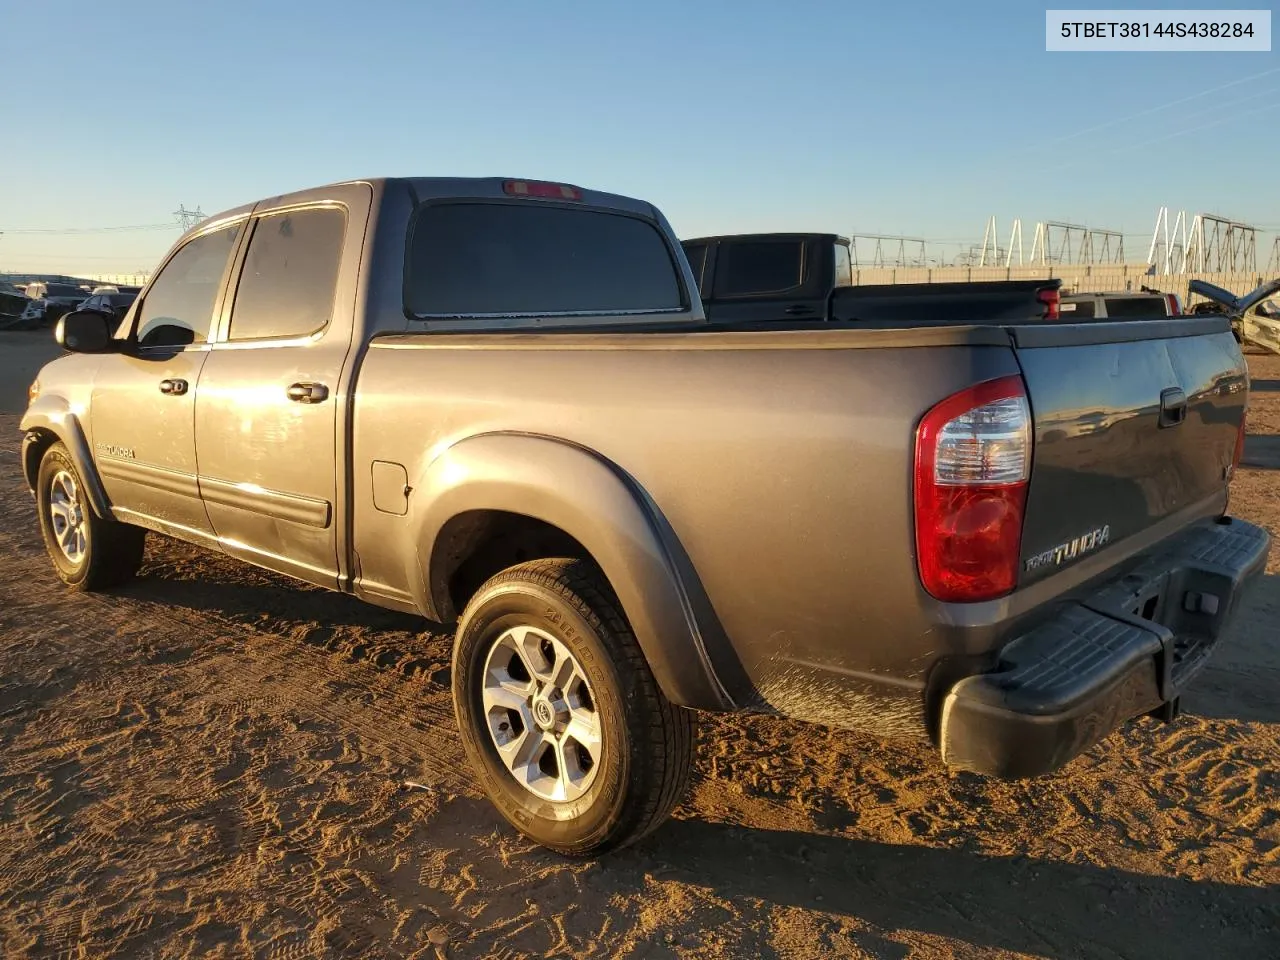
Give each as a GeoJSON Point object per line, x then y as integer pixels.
{"type": "Point", "coordinates": [216, 762]}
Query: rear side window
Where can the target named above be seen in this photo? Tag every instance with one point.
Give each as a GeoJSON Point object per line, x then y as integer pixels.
{"type": "Point", "coordinates": [178, 309]}
{"type": "Point", "coordinates": [771, 266]}
{"type": "Point", "coordinates": [1135, 307]}
{"type": "Point", "coordinates": [511, 259]}
{"type": "Point", "coordinates": [290, 275]}
{"type": "Point", "coordinates": [697, 257]}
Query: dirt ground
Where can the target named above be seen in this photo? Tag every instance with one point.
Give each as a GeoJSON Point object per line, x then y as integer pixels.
{"type": "Point", "coordinates": [216, 762]}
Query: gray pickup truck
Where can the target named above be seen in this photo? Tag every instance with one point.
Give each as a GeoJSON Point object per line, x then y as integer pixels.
{"type": "Point", "coordinates": [499, 404]}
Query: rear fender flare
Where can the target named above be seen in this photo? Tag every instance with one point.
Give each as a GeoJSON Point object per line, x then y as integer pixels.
{"type": "Point", "coordinates": [599, 506]}
{"type": "Point", "coordinates": [52, 416]}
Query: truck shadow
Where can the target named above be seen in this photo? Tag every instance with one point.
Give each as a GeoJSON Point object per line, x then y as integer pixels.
{"type": "Point", "coordinates": [1261, 452]}
{"type": "Point", "coordinates": [1242, 680]}
{"type": "Point", "coordinates": [183, 575]}
{"type": "Point", "coordinates": [1040, 907]}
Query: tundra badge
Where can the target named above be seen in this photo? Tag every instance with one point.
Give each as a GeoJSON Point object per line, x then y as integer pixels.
{"type": "Point", "coordinates": [1078, 547]}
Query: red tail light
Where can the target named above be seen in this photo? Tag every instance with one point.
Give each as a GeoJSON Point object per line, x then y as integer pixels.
{"type": "Point", "coordinates": [973, 459]}
{"type": "Point", "coordinates": [1175, 305]}
{"type": "Point", "coordinates": [1052, 300]}
{"type": "Point", "coordinates": [537, 188]}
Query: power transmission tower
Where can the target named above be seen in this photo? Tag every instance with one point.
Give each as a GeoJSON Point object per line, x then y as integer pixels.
{"type": "Point", "coordinates": [1218, 244]}
{"type": "Point", "coordinates": [188, 218]}
{"type": "Point", "coordinates": [887, 251]}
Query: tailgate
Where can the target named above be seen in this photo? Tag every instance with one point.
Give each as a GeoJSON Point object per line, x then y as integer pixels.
{"type": "Point", "coordinates": [1134, 422]}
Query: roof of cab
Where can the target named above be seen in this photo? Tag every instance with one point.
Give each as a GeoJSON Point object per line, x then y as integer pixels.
{"type": "Point", "coordinates": [428, 188]}
{"type": "Point", "coordinates": [790, 235]}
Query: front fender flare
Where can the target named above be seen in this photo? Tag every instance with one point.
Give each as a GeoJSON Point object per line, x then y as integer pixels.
{"type": "Point", "coordinates": [603, 509]}
{"type": "Point", "coordinates": [51, 415]}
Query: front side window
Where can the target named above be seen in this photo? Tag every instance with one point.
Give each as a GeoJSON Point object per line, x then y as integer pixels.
{"type": "Point", "coordinates": [515, 259]}
{"type": "Point", "coordinates": [290, 275]}
{"type": "Point", "coordinates": [178, 310]}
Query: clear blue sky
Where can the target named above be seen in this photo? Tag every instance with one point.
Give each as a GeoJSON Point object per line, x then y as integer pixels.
{"type": "Point", "coordinates": [732, 116]}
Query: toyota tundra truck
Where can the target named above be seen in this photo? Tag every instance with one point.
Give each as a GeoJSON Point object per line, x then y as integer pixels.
{"type": "Point", "coordinates": [500, 405]}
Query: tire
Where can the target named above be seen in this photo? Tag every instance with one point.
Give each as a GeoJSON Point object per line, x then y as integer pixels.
{"type": "Point", "coordinates": [643, 744]}
{"type": "Point", "coordinates": [88, 552]}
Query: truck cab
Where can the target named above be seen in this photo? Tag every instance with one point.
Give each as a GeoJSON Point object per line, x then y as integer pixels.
{"type": "Point", "coordinates": [762, 276]}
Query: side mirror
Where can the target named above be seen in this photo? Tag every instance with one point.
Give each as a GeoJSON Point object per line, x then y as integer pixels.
{"type": "Point", "coordinates": [83, 331]}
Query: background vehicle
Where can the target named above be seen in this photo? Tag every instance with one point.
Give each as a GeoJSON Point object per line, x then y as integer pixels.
{"type": "Point", "coordinates": [48, 302]}
{"type": "Point", "coordinates": [113, 305]}
{"type": "Point", "coordinates": [1255, 317]}
{"type": "Point", "coordinates": [13, 303]}
{"type": "Point", "coordinates": [772, 277]}
{"type": "Point", "coordinates": [498, 403]}
{"type": "Point", "coordinates": [1119, 305]}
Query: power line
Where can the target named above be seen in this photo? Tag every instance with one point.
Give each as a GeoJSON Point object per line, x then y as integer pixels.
{"type": "Point", "coordinates": [64, 231]}
{"type": "Point", "coordinates": [1158, 108]}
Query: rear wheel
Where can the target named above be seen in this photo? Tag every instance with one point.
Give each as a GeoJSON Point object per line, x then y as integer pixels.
{"type": "Point", "coordinates": [88, 552]}
{"type": "Point", "coordinates": [560, 715]}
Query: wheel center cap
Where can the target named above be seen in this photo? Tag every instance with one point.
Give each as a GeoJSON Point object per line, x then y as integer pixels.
{"type": "Point", "coordinates": [544, 714]}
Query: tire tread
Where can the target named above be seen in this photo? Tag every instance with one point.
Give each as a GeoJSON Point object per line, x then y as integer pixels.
{"type": "Point", "coordinates": [667, 743]}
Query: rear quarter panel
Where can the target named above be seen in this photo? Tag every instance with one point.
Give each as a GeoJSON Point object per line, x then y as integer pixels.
{"type": "Point", "coordinates": [782, 463]}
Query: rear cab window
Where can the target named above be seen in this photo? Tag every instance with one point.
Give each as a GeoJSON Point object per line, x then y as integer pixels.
{"type": "Point", "coordinates": [1118, 307]}
{"type": "Point", "coordinates": [476, 258]}
{"type": "Point", "coordinates": [1077, 309]}
{"type": "Point", "coordinates": [759, 267]}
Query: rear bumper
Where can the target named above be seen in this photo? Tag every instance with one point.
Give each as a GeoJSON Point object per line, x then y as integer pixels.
{"type": "Point", "coordinates": [1124, 651]}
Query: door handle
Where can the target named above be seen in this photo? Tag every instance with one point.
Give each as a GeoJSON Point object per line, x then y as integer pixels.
{"type": "Point", "coordinates": [308, 392]}
{"type": "Point", "coordinates": [1173, 407]}
{"type": "Point", "coordinates": [173, 388]}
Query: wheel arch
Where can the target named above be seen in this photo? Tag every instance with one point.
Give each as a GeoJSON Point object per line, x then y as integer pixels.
{"type": "Point", "coordinates": [51, 420]}
{"type": "Point", "coordinates": [596, 512]}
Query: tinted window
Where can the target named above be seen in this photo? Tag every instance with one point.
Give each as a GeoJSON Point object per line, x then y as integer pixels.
{"type": "Point", "coordinates": [772, 266]}
{"type": "Point", "coordinates": [697, 257]}
{"type": "Point", "coordinates": [1077, 310]}
{"type": "Point", "coordinates": [509, 258]}
{"type": "Point", "coordinates": [290, 274]}
{"type": "Point", "coordinates": [844, 267]}
{"type": "Point", "coordinates": [179, 306]}
{"type": "Point", "coordinates": [63, 290]}
{"type": "Point", "coordinates": [1136, 307]}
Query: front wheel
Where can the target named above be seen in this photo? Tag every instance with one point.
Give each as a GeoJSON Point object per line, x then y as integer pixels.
{"type": "Point", "coordinates": [88, 552]}
{"type": "Point", "coordinates": [559, 712]}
